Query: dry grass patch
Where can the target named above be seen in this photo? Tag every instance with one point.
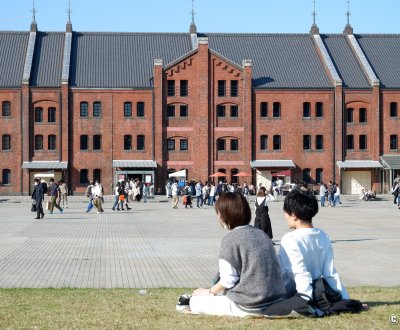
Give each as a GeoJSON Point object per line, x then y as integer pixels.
{"type": "Point", "coordinates": [125, 308]}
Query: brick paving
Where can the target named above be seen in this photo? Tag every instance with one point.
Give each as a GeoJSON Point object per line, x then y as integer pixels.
{"type": "Point", "coordinates": [155, 246]}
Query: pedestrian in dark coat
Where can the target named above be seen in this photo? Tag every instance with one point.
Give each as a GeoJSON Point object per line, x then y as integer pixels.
{"type": "Point", "coordinates": [37, 195]}
{"type": "Point", "coordinates": [263, 220]}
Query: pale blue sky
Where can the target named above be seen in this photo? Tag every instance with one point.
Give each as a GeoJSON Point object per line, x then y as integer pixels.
{"type": "Point", "coordinates": [259, 16]}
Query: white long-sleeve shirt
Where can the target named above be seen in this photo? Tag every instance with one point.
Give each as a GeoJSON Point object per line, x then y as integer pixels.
{"type": "Point", "coordinates": [305, 255]}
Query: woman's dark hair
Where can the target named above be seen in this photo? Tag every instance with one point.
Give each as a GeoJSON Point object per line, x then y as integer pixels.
{"type": "Point", "coordinates": [262, 192]}
{"type": "Point", "coordinates": [233, 209]}
{"type": "Point", "coordinates": [303, 206]}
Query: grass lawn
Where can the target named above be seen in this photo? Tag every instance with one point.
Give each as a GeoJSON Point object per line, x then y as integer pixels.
{"type": "Point", "coordinates": [125, 308]}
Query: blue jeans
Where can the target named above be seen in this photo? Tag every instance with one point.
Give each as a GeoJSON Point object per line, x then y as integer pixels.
{"type": "Point", "coordinates": [116, 201]}
{"type": "Point", "coordinates": [199, 200]}
{"type": "Point", "coordinates": [322, 201]}
{"type": "Point", "coordinates": [90, 205]}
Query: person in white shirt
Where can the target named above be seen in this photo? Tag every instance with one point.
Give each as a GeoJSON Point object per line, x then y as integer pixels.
{"type": "Point", "coordinates": [336, 196]}
{"type": "Point", "coordinates": [306, 253]}
{"type": "Point", "coordinates": [174, 192]}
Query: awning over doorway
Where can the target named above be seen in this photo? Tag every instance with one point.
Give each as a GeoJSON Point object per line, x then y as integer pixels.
{"type": "Point", "coordinates": [41, 165]}
{"type": "Point", "coordinates": [179, 174]}
{"type": "Point", "coordinates": [282, 173]}
{"type": "Point", "coordinates": [277, 163]}
{"type": "Point", "coordinates": [359, 164]}
{"type": "Point", "coordinates": [391, 162]}
{"type": "Point", "coordinates": [135, 163]}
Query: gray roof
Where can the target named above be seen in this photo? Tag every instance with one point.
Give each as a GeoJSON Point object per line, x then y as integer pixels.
{"type": "Point", "coordinates": [391, 161]}
{"type": "Point", "coordinates": [359, 164]}
{"type": "Point", "coordinates": [47, 59]}
{"type": "Point", "coordinates": [383, 53]}
{"type": "Point", "coordinates": [135, 163]}
{"type": "Point", "coordinates": [278, 163]}
{"type": "Point", "coordinates": [12, 57]}
{"type": "Point", "coordinates": [345, 62]}
{"type": "Point", "coordinates": [45, 165]}
{"type": "Point", "coordinates": [123, 60]}
{"type": "Point", "coordinates": [279, 60]}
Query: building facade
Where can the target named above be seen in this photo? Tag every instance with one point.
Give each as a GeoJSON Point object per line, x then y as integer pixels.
{"type": "Point", "coordinates": [107, 106]}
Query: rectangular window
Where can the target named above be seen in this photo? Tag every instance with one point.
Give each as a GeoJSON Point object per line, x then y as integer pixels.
{"type": "Point", "coordinates": [234, 144]}
{"type": "Point", "coordinates": [140, 142]}
{"type": "Point", "coordinates": [127, 142]}
{"type": "Point", "coordinates": [170, 111]}
{"type": "Point", "coordinates": [170, 87]}
{"type": "Point", "coordinates": [221, 87]}
{"type": "Point", "coordinates": [96, 142]}
{"type": "Point", "coordinates": [306, 142]}
{"type": "Point", "coordinates": [263, 109]}
{"type": "Point", "coordinates": [83, 142]}
{"type": "Point", "coordinates": [140, 109]}
{"type": "Point", "coordinates": [263, 142]}
{"type": "Point", "coordinates": [183, 110]}
{"type": "Point", "coordinates": [83, 176]}
{"type": "Point", "coordinates": [393, 109]}
{"type": "Point", "coordinates": [363, 115]}
{"type": "Point", "coordinates": [96, 109]}
{"type": "Point", "coordinates": [38, 115]}
{"type": "Point", "coordinates": [319, 109]}
{"type": "Point", "coordinates": [171, 144]}
{"type": "Point", "coordinates": [51, 115]}
{"type": "Point", "coordinates": [362, 142]}
{"type": "Point", "coordinates": [393, 142]}
{"type": "Point", "coordinates": [220, 110]}
{"type": "Point", "coordinates": [38, 142]}
{"type": "Point", "coordinates": [350, 142]}
{"type": "Point", "coordinates": [84, 109]}
{"type": "Point", "coordinates": [276, 142]}
{"type": "Point", "coordinates": [127, 109]}
{"type": "Point", "coordinates": [234, 88]}
{"type": "Point", "coordinates": [6, 142]}
{"type": "Point", "coordinates": [349, 112]}
{"type": "Point", "coordinates": [97, 174]}
{"type": "Point", "coordinates": [184, 88]}
{"type": "Point", "coordinates": [6, 109]}
{"type": "Point", "coordinates": [319, 175]}
{"type": "Point", "coordinates": [319, 142]}
{"type": "Point", "coordinates": [52, 142]}
{"type": "Point", "coordinates": [220, 144]}
{"type": "Point", "coordinates": [184, 144]}
{"type": "Point", "coordinates": [276, 109]}
{"type": "Point", "coordinates": [306, 110]}
{"type": "Point", "coordinates": [234, 111]}
{"type": "Point", "coordinates": [6, 176]}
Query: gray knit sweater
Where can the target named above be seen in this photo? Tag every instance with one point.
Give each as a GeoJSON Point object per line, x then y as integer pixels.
{"type": "Point", "coordinates": [250, 251]}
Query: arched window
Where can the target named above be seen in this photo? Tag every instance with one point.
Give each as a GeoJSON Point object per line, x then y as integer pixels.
{"type": "Point", "coordinates": [96, 109]}
{"type": "Point", "coordinates": [263, 142]}
{"type": "Point", "coordinates": [38, 115]}
{"type": "Point", "coordinates": [306, 110]}
{"type": "Point", "coordinates": [51, 139]}
{"type": "Point", "coordinates": [84, 109]}
{"type": "Point", "coordinates": [307, 175]}
{"type": "Point", "coordinates": [38, 142]}
{"type": "Point", "coordinates": [6, 176]}
{"type": "Point", "coordinates": [319, 178]}
{"type": "Point", "coordinates": [6, 109]}
{"type": "Point", "coordinates": [128, 109]}
{"type": "Point", "coordinates": [6, 142]}
{"type": "Point", "coordinates": [83, 176]}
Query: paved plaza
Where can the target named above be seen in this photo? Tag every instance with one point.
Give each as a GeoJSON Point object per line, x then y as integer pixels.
{"type": "Point", "coordinates": [154, 245]}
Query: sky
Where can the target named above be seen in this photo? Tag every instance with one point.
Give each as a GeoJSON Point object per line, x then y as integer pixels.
{"type": "Point", "coordinates": [240, 16]}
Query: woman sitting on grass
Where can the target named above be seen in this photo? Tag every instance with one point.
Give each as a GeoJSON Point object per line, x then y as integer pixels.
{"type": "Point", "coordinates": [250, 278]}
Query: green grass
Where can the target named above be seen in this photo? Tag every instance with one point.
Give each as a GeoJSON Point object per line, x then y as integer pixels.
{"type": "Point", "coordinates": [126, 309]}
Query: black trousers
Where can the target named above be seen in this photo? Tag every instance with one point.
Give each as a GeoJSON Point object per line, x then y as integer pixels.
{"type": "Point", "coordinates": [39, 209]}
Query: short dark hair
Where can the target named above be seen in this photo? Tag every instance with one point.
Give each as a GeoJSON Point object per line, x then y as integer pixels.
{"type": "Point", "coordinates": [37, 180]}
{"type": "Point", "coordinates": [233, 209]}
{"type": "Point", "coordinates": [303, 206]}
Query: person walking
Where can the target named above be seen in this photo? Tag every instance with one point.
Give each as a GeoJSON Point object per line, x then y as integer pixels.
{"type": "Point", "coordinates": [116, 195]}
{"type": "Point", "coordinates": [199, 193]}
{"type": "Point", "coordinates": [55, 196]}
{"type": "Point", "coordinates": [89, 195]}
{"type": "Point", "coordinates": [322, 192]}
{"type": "Point", "coordinates": [97, 196]}
{"type": "Point", "coordinates": [174, 193]}
{"type": "Point", "coordinates": [38, 197]}
{"type": "Point", "coordinates": [262, 220]}
{"type": "Point", "coordinates": [64, 194]}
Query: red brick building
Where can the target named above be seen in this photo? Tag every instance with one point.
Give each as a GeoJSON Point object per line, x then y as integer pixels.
{"type": "Point", "coordinates": [80, 106]}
